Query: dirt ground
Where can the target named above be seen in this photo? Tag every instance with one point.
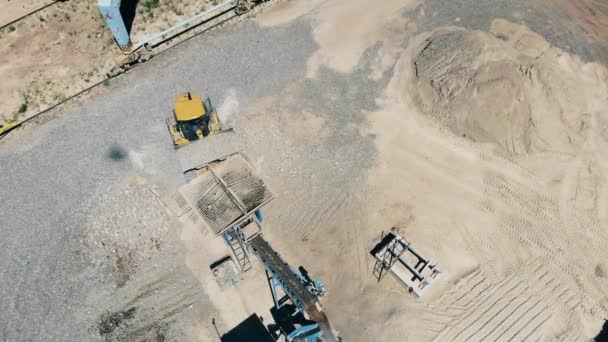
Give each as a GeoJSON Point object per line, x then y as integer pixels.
{"type": "Point", "coordinates": [491, 150]}
{"type": "Point", "coordinates": [485, 148]}
{"type": "Point", "coordinates": [13, 9]}
{"type": "Point", "coordinates": [67, 47]}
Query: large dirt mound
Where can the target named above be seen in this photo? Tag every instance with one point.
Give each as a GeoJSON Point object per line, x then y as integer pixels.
{"type": "Point", "coordinates": [508, 87]}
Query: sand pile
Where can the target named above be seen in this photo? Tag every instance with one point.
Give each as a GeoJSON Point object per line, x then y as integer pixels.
{"type": "Point", "coordinates": [521, 239]}
{"type": "Point", "coordinates": [508, 87]}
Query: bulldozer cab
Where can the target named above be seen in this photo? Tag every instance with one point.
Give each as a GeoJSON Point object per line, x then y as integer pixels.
{"type": "Point", "coordinates": [188, 107]}
{"type": "Point", "coordinates": [194, 119]}
{"type": "Point", "coordinates": [193, 115]}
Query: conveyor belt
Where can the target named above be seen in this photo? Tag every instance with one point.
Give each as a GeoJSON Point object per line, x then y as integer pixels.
{"type": "Point", "coordinates": [275, 264]}
{"type": "Point", "coordinates": [295, 288]}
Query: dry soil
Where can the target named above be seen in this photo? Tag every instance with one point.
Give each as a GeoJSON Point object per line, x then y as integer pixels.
{"type": "Point", "coordinates": [490, 159]}
{"type": "Point", "coordinates": [63, 49]}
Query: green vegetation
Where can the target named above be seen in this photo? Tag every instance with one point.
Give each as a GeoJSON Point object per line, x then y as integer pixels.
{"type": "Point", "coordinates": [11, 28]}
{"type": "Point", "coordinates": [151, 4]}
{"type": "Point", "coordinates": [24, 104]}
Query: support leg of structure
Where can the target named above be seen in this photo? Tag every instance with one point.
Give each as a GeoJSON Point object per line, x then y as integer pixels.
{"type": "Point", "coordinates": [273, 289]}
{"type": "Point", "coordinates": [110, 10]}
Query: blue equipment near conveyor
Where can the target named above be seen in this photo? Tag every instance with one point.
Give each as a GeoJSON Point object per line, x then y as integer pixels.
{"type": "Point", "coordinates": [305, 319]}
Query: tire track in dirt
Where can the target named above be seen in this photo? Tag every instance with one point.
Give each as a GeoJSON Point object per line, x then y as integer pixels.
{"type": "Point", "coordinates": [515, 309]}
{"type": "Point", "coordinates": [523, 208]}
{"type": "Point", "coordinates": [318, 212]}
{"type": "Point", "coordinates": [566, 232]}
{"type": "Point", "coordinates": [475, 246]}
{"type": "Point", "coordinates": [487, 302]}
{"type": "Point", "coordinates": [466, 288]}
{"type": "Point", "coordinates": [152, 308]}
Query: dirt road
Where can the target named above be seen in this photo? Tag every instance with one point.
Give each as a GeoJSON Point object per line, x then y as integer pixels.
{"type": "Point", "coordinates": [352, 141]}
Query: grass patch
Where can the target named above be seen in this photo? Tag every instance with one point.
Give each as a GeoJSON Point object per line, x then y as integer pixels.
{"type": "Point", "coordinates": [23, 106]}
{"type": "Point", "coordinates": [151, 4]}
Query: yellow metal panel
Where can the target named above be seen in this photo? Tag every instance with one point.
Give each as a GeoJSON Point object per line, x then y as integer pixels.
{"type": "Point", "coordinates": [7, 127]}
{"type": "Point", "coordinates": [188, 107]}
{"type": "Point", "coordinates": [178, 137]}
{"type": "Point", "coordinates": [214, 124]}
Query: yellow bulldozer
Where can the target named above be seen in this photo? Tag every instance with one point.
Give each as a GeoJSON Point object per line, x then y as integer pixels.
{"type": "Point", "coordinates": [193, 119]}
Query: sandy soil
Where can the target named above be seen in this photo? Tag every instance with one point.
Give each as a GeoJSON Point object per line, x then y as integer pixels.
{"type": "Point", "coordinates": [491, 150]}
{"type": "Point", "coordinates": [487, 150]}
{"type": "Point", "coordinates": [66, 48]}
{"type": "Point", "coordinates": [508, 87]}
{"type": "Point", "coordinates": [13, 9]}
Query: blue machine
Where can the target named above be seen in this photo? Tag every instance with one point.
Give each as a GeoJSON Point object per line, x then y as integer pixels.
{"type": "Point", "coordinates": [258, 215]}
{"type": "Point", "coordinates": [110, 10]}
{"type": "Point", "coordinates": [298, 312]}
{"type": "Point", "coordinates": [291, 317]}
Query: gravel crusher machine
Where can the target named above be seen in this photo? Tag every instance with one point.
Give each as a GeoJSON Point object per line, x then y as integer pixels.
{"type": "Point", "coordinates": [225, 198]}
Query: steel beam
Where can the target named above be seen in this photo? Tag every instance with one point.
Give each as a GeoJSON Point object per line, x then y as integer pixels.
{"type": "Point", "coordinates": [110, 10]}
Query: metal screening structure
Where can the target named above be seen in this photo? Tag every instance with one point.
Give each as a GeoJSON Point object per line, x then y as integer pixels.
{"type": "Point", "coordinates": [224, 194]}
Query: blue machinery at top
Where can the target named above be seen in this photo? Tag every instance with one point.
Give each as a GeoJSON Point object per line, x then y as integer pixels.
{"type": "Point", "coordinates": [110, 10]}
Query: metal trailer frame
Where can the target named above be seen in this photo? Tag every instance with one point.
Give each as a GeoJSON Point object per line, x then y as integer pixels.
{"type": "Point", "coordinates": [389, 255]}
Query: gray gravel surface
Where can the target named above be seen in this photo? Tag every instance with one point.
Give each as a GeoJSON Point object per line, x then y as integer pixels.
{"type": "Point", "coordinates": [83, 237]}
{"type": "Point", "coordinates": [551, 22]}
{"type": "Point", "coordinates": [59, 180]}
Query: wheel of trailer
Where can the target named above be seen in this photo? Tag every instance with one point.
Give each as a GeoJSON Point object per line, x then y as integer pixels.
{"type": "Point", "coordinates": [243, 7]}
{"type": "Point", "coordinates": [146, 56]}
{"type": "Point", "coordinates": [240, 10]}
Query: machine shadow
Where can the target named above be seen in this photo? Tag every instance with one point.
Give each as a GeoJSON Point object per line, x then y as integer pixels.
{"type": "Point", "coordinates": [128, 10]}
{"type": "Point", "coordinates": [251, 329]}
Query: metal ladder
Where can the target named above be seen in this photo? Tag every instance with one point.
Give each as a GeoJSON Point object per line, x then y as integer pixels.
{"type": "Point", "coordinates": [234, 239]}
{"type": "Point", "coordinates": [392, 253]}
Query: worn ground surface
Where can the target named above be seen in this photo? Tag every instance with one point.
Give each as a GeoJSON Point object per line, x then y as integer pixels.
{"type": "Point", "coordinates": [478, 128]}
{"type": "Point", "coordinates": [13, 9]}
{"type": "Point", "coordinates": [67, 47]}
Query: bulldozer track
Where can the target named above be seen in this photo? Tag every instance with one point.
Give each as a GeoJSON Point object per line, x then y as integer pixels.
{"type": "Point", "coordinates": [514, 309]}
